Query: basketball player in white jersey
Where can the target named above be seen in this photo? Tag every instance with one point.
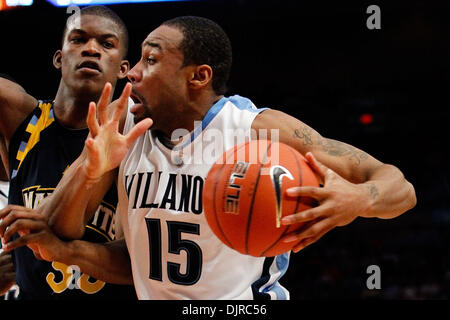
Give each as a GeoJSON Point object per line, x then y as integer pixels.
{"type": "Point", "coordinates": [180, 83]}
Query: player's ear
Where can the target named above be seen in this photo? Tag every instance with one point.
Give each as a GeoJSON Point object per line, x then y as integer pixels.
{"type": "Point", "coordinates": [57, 57]}
{"type": "Point", "coordinates": [124, 68]}
{"type": "Point", "coordinates": [200, 76]}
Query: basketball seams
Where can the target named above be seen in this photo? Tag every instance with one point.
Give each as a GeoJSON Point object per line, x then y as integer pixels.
{"type": "Point", "coordinates": [250, 215]}
{"type": "Point", "coordinates": [219, 227]}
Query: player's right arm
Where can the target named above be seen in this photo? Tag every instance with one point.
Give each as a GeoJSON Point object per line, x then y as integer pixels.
{"type": "Point", "coordinates": [15, 105]}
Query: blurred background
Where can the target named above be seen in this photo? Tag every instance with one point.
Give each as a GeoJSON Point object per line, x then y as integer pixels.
{"type": "Point", "coordinates": [384, 91]}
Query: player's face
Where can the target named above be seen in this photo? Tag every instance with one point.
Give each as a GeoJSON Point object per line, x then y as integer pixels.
{"type": "Point", "coordinates": [91, 54]}
{"type": "Point", "coordinates": [160, 80]}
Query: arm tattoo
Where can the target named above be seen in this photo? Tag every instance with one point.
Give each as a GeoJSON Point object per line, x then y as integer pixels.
{"type": "Point", "coordinates": [330, 146]}
{"type": "Point", "coordinates": [339, 149]}
{"type": "Point", "coordinates": [373, 191]}
{"type": "Point", "coordinates": [304, 134]}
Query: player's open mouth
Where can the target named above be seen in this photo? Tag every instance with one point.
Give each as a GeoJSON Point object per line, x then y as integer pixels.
{"type": "Point", "coordinates": [89, 66]}
{"type": "Point", "coordinates": [136, 99]}
{"type": "Point", "coordinates": [139, 103]}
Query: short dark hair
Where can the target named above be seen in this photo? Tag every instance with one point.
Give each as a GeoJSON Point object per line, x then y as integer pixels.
{"type": "Point", "coordinates": [105, 12]}
{"type": "Point", "coordinates": [205, 42]}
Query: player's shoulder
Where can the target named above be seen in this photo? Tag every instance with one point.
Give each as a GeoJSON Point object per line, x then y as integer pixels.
{"type": "Point", "coordinates": [235, 106]}
{"type": "Point", "coordinates": [16, 105]}
{"type": "Point", "coordinates": [240, 103]}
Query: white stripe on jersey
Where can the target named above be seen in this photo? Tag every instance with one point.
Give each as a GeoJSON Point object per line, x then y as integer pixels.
{"type": "Point", "coordinates": [174, 253]}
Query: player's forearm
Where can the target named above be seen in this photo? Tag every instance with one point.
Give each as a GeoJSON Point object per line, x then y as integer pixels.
{"type": "Point", "coordinates": [108, 262]}
{"type": "Point", "coordinates": [69, 207]}
{"type": "Point", "coordinates": [389, 192]}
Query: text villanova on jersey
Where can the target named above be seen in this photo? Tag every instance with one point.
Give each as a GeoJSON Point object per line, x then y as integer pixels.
{"type": "Point", "coordinates": [189, 199]}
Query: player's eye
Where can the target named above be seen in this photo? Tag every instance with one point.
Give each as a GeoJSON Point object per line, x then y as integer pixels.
{"type": "Point", "coordinates": [151, 60]}
{"type": "Point", "coordinates": [76, 40]}
{"type": "Point", "coordinates": [108, 44]}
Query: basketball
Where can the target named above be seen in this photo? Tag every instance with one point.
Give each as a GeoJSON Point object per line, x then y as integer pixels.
{"type": "Point", "coordinates": [244, 196]}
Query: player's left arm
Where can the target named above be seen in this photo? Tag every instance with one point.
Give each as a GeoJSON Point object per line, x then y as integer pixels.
{"type": "Point", "coordinates": [354, 182]}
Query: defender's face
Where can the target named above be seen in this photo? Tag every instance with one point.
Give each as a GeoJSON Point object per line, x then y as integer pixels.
{"type": "Point", "coordinates": [91, 54]}
{"type": "Point", "coordinates": [159, 79]}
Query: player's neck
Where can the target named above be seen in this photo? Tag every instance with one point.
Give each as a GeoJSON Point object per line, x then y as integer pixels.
{"type": "Point", "coordinates": [198, 108]}
{"type": "Point", "coordinates": [71, 109]}
{"type": "Point", "coordinates": [186, 117]}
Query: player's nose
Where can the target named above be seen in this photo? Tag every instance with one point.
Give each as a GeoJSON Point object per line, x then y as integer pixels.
{"type": "Point", "coordinates": [134, 74]}
{"type": "Point", "coordinates": [91, 49]}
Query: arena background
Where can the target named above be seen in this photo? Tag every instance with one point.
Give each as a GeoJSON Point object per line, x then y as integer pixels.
{"type": "Point", "coordinates": [319, 62]}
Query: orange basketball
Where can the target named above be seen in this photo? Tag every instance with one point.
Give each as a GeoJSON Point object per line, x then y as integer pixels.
{"type": "Point", "coordinates": [244, 196]}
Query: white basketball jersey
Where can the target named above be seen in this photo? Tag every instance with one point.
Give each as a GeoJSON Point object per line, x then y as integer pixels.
{"type": "Point", "coordinates": [174, 253]}
{"type": "Point", "coordinates": [4, 190]}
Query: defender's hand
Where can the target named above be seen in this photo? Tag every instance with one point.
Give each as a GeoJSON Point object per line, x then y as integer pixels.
{"type": "Point", "coordinates": [106, 146]}
{"type": "Point", "coordinates": [33, 230]}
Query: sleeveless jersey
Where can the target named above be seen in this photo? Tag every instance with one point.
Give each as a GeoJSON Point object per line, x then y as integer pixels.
{"type": "Point", "coordinates": [40, 150]}
{"type": "Point", "coordinates": [173, 251]}
{"type": "Point", "coordinates": [4, 189]}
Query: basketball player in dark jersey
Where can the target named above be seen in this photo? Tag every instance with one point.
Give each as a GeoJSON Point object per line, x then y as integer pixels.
{"type": "Point", "coordinates": [43, 138]}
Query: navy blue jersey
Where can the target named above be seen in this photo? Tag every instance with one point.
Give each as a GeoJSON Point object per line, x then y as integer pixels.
{"type": "Point", "coordinates": [40, 151]}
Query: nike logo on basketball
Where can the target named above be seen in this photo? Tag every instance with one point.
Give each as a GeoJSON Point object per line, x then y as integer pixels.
{"type": "Point", "coordinates": [276, 174]}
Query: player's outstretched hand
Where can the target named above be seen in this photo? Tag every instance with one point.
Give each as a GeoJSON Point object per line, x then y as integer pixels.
{"type": "Point", "coordinates": [106, 145]}
{"type": "Point", "coordinates": [7, 274]}
{"type": "Point", "coordinates": [33, 230]}
{"type": "Point", "coordinates": [340, 202]}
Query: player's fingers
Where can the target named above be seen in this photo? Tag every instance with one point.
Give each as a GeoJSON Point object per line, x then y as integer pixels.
{"type": "Point", "coordinates": [6, 210]}
{"type": "Point", "coordinates": [22, 241]}
{"type": "Point", "coordinates": [313, 230]}
{"type": "Point", "coordinates": [22, 225]}
{"type": "Point", "coordinates": [92, 120]}
{"type": "Point", "coordinates": [15, 215]}
{"type": "Point", "coordinates": [307, 191]}
{"type": "Point", "coordinates": [316, 165]}
{"type": "Point", "coordinates": [7, 266]}
{"type": "Point", "coordinates": [122, 102]}
{"type": "Point", "coordinates": [103, 102]}
{"type": "Point", "coordinates": [308, 241]}
{"type": "Point", "coordinates": [306, 215]}
{"type": "Point", "coordinates": [138, 130]}
{"type": "Point", "coordinates": [5, 261]}
{"type": "Point", "coordinates": [4, 256]}
{"type": "Point", "coordinates": [92, 148]}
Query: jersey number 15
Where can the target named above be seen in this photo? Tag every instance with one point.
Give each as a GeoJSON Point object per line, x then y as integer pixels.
{"type": "Point", "coordinates": [175, 245]}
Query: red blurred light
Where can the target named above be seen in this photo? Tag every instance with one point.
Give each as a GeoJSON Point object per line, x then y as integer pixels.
{"type": "Point", "coordinates": [366, 118]}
